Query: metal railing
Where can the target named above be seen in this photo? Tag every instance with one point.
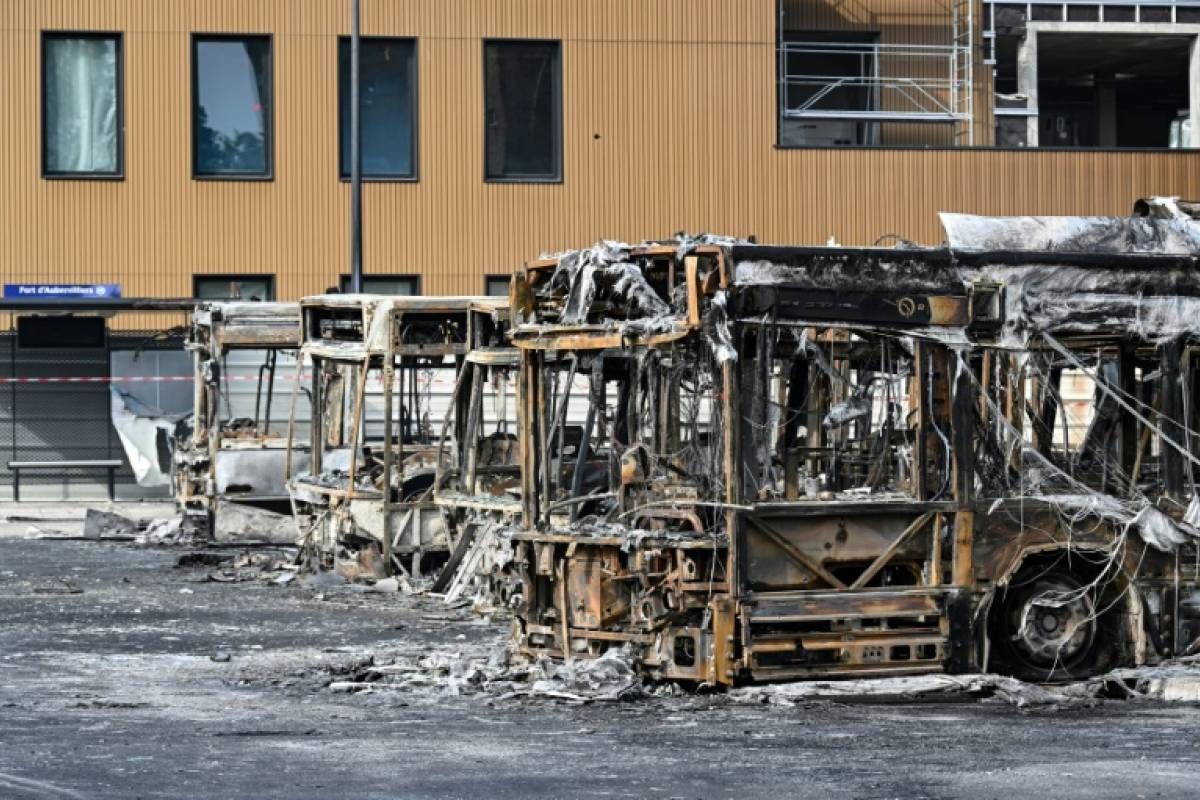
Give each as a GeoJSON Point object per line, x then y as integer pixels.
{"type": "Point", "coordinates": [891, 82]}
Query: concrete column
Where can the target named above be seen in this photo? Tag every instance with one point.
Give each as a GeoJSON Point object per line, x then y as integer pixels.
{"type": "Point", "coordinates": [1027, 82]}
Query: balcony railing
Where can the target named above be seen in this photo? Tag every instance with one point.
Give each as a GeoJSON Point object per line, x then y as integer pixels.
{"type": "Point", "coordinates": [889, 82]}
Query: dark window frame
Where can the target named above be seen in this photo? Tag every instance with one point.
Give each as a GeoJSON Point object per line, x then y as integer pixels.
{"type": "Point", "coordinates": [414, 103]}
{"type": "Point", "coordinates": [119, 173]}
{"type": "Point", "coordinates": [344, 281]}
{"type": "Point", "coordinates": [496, 276]}
{"type": "Point", "coordinates": [269, 277]}
{"type": "Point", "coordinates": [269, 117]}
{"type": "Point", "coordinates": [559, 147]}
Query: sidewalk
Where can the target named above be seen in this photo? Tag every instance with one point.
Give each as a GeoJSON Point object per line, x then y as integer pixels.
{"type": "Point", "coordinates": [33, 519]}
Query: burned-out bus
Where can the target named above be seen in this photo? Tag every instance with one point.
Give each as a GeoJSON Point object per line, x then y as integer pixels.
{"type": "Point", "coordinates": [478, 482]}
{"type": "Point", "coordinates": [382, 374]}
{"type": "Point", "coordinates": [230, 463]}
{"type": "Point", "coordinates": [829, 461]}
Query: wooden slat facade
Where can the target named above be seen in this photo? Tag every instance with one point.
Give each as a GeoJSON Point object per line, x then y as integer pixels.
{"type": "Point", "coordinates": [669, 124]}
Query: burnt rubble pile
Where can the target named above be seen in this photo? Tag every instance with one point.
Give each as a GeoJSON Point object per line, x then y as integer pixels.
{"type": "Point", "coordinates": [489, 672]}
{"type": "Point", "coordinates": [495, 675]}
{"type": "Point", "coordinates": [277, 568]}
{"type": "Point", "coordinates": [101, 525]}
{"type": "Point", "coordinates": [1176, 681]}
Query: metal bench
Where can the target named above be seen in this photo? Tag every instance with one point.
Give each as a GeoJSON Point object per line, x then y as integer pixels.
{"type": "Point", "coordinates": [110, 464]}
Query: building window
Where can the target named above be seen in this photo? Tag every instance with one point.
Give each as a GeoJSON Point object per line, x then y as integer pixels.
{"type": "Point", "coordinates": [828, 91]}
{"type": "Point", "coordinates": [522, 111]}
{"type": "Point", "coordinates": [388, 110]}
{"type": "Point", "coordinates": [496, 285]}
{"type": "Point", "coordinates": [81, 105]}
{"type": "Point", "coordinates": [840, 85]}
{"type": "Point", "coordinates": [403, 285]}
{"type": "Point", "coordinates": [231, 106]}
{"type": "Point", "coordinates": [1077, 85]}
{"type": "Point", "coordinates": [233, 287]}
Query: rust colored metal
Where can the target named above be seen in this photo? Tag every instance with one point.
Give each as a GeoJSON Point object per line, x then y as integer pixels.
{"type": "Point", "coordinates": [228, 461]}
{"type": "Point", "coordinates": [797, 462]}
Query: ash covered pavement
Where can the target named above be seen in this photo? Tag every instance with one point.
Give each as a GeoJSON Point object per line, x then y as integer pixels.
{"type": "Point", "coordinates": [123, 675]}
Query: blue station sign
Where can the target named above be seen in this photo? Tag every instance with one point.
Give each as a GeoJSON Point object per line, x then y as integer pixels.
{"type": "Point", "coordinates": [62, 291]}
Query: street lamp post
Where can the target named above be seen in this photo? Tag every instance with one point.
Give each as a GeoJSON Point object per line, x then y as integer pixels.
{"type": "Point", "coordinates": [355, 157]}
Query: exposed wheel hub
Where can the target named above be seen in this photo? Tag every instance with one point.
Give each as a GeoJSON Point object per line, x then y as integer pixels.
{"type": "Point", "coordinates": [1055, 622]}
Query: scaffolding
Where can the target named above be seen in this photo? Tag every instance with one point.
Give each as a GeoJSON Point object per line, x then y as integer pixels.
{"type": "Point", "coordinates": [884, 81]}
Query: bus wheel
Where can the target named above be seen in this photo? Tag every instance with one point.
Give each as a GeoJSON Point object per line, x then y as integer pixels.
{"type": "Point", "coordinates": [1045, 626]}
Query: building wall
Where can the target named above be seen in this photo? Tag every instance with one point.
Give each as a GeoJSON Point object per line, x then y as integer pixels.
{"type": "Point", "coordinates": [669, 124]}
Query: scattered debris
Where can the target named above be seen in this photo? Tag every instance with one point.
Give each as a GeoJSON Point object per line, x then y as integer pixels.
{"type": "Point", "coordinates": [487, 670]}
{"type": "Point", "coordinates": [58, 586]}
{"type": "Point", "coordinates": [481, 670]}
{"type": "Point", "coordinates": [98, 524]}
{"type": "Point", "coordinates": [390, 585]}
{"type": "Point", "coordinates": [110, 705]}
{"type": "Point", "coordinates": [264, 567]}
{"type": "Point", "coordinates": [165, 532]}
{"type": "Point", "coordinates": [201, 559]}
{"type": "Point", "coordinates": [238, 523]}
{"type": "Point", "coordinates": [276, 568]}
{"type": "Point", "coordinates": [322, 580]}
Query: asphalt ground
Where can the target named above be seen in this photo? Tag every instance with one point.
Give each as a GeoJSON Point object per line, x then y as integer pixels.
{"type": "Point", "coordinates": [123, 675]}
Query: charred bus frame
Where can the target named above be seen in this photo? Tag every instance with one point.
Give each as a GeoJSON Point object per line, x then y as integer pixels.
{"type": "Point", "coordinates": [478, 483]}
{"type": "Point", "coordinates": [367, 497]}
{"type": "Point", "coordinates": [827, 461]}
{"type": "Point", "coordinates": [235, 460]}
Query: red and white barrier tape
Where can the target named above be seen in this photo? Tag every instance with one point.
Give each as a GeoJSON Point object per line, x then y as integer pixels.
{"type": "Point", "coordinates": [173, 379]}
{"type": "Point", "coordinates": [102, 379]}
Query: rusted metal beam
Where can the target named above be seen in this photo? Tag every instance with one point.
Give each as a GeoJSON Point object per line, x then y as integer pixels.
{"type": "Point", "coordinates": [883, 558]}
{"type": "Point", "coordinates": [795, 553]}
{"type": "Point", "coordinates": [1171, 403]}
{"type": "Point", "coordinates": [964, 549]}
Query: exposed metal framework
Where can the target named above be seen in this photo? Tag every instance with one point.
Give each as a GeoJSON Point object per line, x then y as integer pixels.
{"type": "Point", "coordinates": [225, 463]}
{"type": "Point", "coordinates": [363, 499]}
{"type": "Point", "coordinates": [1069, 11]}
{"type": "Point", "coordinates": [963, 68]}
{"type": "Point", "coordinates": [1064, 7]}
{"type": "Point", "coordinates": [806, 462]}
{"type": "Point", "coordinates": [893, 82]}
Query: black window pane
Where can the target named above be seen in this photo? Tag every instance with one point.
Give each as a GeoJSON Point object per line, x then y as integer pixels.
{"type": "Point", "coordinates": [402, 285]}
{"type": "Point", "coordinates": [496, 285]}
{"type": "Point", "coordinates": [232, 106]}
{"type": "Point", "coordinates": [387, 118]}
{"type": "Point", "coordinates": [233, 287]}
{"type": "Point", "coordinates": [82, 121]}
{"type": "Point", "coordinates": [521, 110]}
